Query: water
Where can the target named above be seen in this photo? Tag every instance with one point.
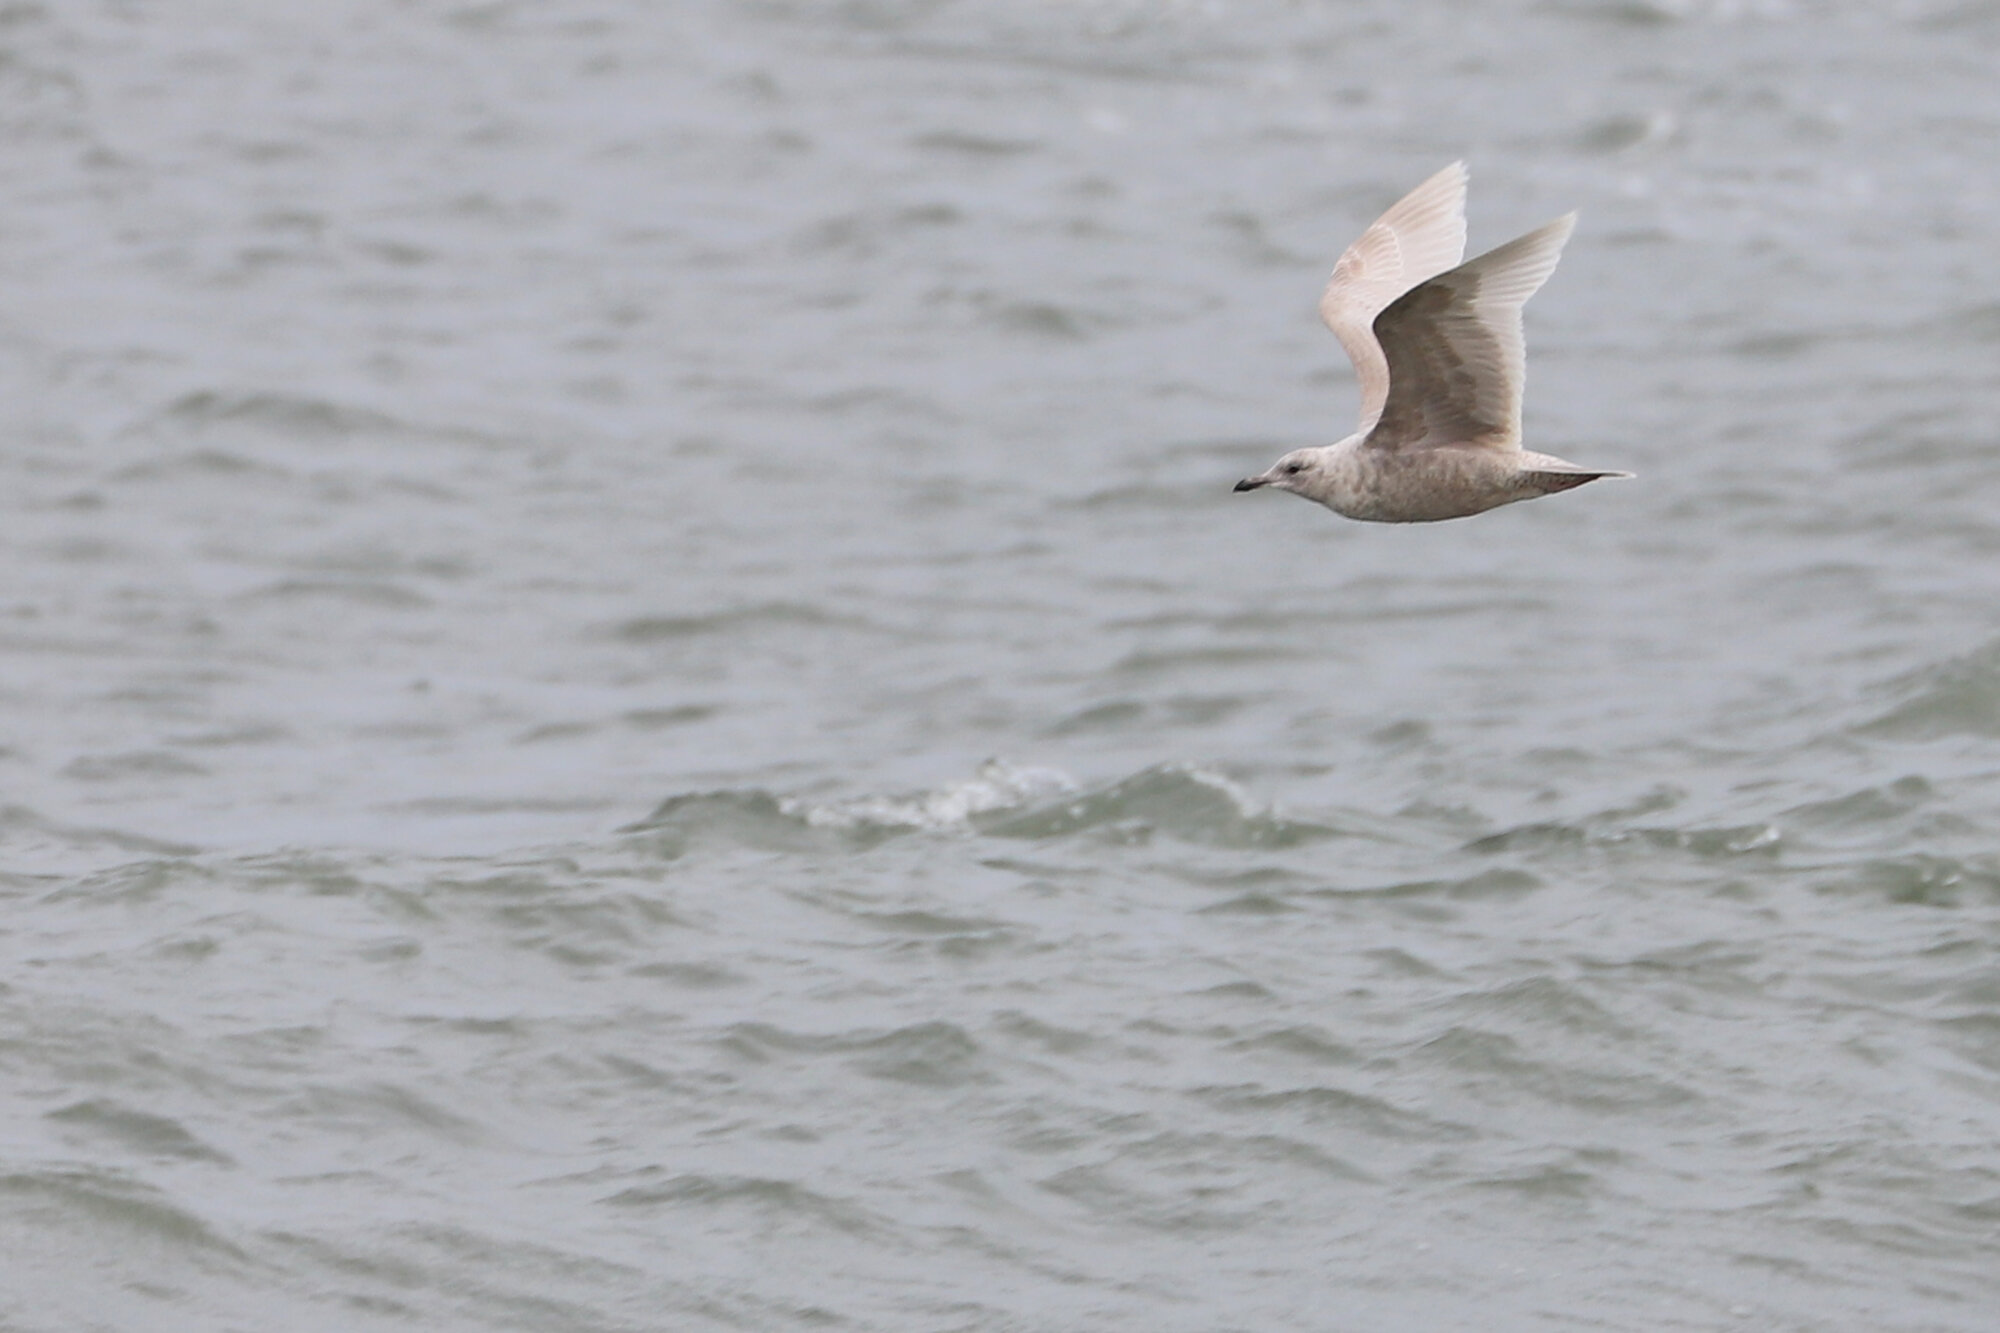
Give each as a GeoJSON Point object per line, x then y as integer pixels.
{"type": "Point", "coordinates": [635, 697]}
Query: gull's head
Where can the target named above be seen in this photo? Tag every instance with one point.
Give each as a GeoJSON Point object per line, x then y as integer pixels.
{"type": "Point", "coordinates": [1293, 472]}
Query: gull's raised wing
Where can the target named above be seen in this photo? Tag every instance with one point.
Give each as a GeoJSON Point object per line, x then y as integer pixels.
{"type": "Point", "coordinates": [1419, 238]}
{"type": "Point", "coordinates": [1454, 351]}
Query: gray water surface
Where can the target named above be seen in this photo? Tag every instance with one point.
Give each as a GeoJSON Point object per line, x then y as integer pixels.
{"type": "Point", "coordinates": [635, 699]}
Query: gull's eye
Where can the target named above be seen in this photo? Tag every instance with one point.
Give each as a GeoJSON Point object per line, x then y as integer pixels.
{"type": "Point", "coordinates": [1293, 469]}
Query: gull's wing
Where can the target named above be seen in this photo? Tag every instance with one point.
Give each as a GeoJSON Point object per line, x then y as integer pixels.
{"type": "Point", "coordinates": [1454, 351]}
{"type": "Point", "coordinates": [1419, 238]}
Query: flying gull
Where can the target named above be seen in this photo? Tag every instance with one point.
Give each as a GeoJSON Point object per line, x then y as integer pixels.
{"type": "Point", "coordinates": [1437, 347]}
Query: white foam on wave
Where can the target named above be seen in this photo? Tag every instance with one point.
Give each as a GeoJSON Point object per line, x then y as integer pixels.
{"type": "Point", "coordinates": [997, 785]}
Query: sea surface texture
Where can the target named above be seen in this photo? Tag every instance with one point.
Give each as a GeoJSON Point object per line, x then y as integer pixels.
{"type": "Point", "coordinates": [632, 696]}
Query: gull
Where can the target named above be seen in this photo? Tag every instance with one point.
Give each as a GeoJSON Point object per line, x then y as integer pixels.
{"type": "Point", "coordinates": [1436, 345]}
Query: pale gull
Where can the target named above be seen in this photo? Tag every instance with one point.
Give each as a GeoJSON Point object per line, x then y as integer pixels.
{"type": "Point", "coordinates": [1436, 345]}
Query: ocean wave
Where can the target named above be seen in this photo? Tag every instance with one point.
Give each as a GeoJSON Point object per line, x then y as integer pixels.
{"type": "Point", "coordinates": [1959, 697]}
{"type": "Point", "coordinates": [1923, 879]}
{"type": "Point", "coordinates": [1719, 843]}
{"type": "Point", "coordinates": [1180, 801]}
{"type": "Point", "coordinates": [761, 820]}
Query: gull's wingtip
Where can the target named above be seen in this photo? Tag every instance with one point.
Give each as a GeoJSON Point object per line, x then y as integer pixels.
{"type": "Point", "coordinates": [1451, 178]}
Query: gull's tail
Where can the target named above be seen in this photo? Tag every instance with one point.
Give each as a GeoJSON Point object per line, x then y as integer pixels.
{"type": "Point", "coordinates": [1547, 481]}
